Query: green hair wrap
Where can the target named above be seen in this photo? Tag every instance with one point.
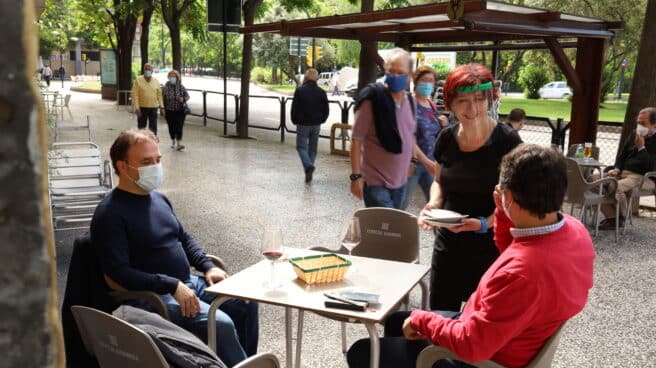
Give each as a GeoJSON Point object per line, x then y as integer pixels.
{"type": "Point", "coordinates": [474, 88]}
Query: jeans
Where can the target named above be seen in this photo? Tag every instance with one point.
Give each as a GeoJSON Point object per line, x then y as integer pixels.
{"type": "Point", "coordinates": [395, 350]}
{"type": "Point", "coordinates": [422, 178]}
{"type": "Point", "coordinates": [150, 114]}
{"type": "Point", "coordinates": [379, 196]}
{"type": "Point", "coordinates": [236, 322]}
{"type": "Point", "coordinates": [175, 121]}
{"type": "Point", "coordinates": [307, 137]}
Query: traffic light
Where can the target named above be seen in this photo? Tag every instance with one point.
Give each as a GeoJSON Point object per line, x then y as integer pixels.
{"type": "Point", "coordinates": [318, 50]}
{"type": "Point", "coordinates": [308, 57]}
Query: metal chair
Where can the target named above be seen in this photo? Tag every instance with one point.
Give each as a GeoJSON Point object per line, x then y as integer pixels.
{"type": "Point", "coordinates": [116, 343]}
{"type": "Point", "coordinates": [434, 353]}
{"type": "Point", "coordinates": [637, 192]}
{"type": "Point", "coordinates": [63, 103]}
{"type": "Point", "coordinates": [388, 234]}
{"type": "Point", "coordinates": [581, 192]}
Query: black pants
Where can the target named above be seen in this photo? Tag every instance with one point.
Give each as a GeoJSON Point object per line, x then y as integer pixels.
{"type": "Point", "coordinates": [150, 114]}
{"type": "Point", "coordinates": [47, 80]}
{"type": "Point", "coordinates": [175, 120]}
{"type": "Point", "coordinates": [395, 350]}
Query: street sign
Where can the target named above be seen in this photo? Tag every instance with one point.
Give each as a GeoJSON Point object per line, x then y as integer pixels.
{"type": "Point", "coordinates": [294, 47]}
{"type": "Point", "coordinates": [625, 63]}
{"type": "Point", "coordinates": [216, 17]}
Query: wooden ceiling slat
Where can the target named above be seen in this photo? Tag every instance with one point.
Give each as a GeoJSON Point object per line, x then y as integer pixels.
{"type": "Point", "coordinates": [491, 47]}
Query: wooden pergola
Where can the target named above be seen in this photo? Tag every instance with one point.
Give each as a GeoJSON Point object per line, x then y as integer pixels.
{"type": "Point", "coordinates": [485, 25]}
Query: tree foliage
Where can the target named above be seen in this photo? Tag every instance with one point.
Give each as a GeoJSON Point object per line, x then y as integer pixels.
{"type": "Point", "coordinates": [532, 77]}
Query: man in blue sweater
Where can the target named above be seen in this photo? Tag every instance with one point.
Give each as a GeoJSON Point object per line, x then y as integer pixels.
{"type": "Point", "coordinates": [143, 246]}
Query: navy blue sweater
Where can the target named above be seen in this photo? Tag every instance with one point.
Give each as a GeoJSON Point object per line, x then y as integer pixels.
{"type": "Point", "coordinates": [141, 243]}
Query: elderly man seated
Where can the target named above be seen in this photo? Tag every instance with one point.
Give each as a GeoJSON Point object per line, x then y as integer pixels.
{"type": "Point", "coordinates": [143, 246]}
{"type": "Point", "coordinates": [636, 158]}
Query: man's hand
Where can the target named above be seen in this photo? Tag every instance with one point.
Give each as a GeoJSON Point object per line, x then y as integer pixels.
{"type": "Point", "coordinates": [189, 305]}
{"type": "Point", "coordinates": [613, 172]}
{"type": "Point", "coordinates": [639, 141]}
{"type": "Point", "coordinates": [497, 196]}
{"type": "Point", "coordinates": [137, 112]}
{"type": "Point", "coordinates": [357, 188]}
{"type": "Point", "coordinates": [409, 332]}
{"type": "Point", "coordinates": [161, 112]}
{"type": "Point", "coordinates": [214, 275]}
{"type": "Point", "coordinates": [181, 99]}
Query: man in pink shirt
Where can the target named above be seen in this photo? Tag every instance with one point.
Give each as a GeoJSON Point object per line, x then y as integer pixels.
{"type": "Point", "coordinates": [540, 280]}
{"type": "Point", "coordinates": [384, 136]}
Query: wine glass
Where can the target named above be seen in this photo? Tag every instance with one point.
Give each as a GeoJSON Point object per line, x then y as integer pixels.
{"type": "Point", "coordinates": [272, 250]}
{"type": "Point", "coordinates": [351, 236]}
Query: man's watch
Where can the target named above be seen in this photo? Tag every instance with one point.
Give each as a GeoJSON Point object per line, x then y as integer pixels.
{"type": "Point", "coordinates": [355, 177]}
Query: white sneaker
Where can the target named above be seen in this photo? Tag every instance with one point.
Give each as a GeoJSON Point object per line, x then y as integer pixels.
{"type": "Point", "coordinates": [173, 145]}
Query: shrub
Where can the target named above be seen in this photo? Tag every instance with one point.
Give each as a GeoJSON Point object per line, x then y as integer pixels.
{"type": "Point", "coordinates": [261, 75]}
{"type": "Point", "coordinates": [531, 78]}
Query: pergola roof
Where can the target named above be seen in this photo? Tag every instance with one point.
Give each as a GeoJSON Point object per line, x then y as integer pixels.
{"type": "Point", "coordinates": [481, 21]}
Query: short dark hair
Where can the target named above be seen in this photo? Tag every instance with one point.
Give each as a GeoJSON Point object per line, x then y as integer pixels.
{"type": "Point", "coordinates": [652, 114]}
{"type": "Point", "coordinates": [537, 177]}
{"type": "Point", "coordinates": [517, 115]}
{"type": "Point", "coordinates": [125, 140]}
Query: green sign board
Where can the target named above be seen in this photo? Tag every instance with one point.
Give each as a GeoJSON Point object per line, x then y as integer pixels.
{"type": "Point", "coordinates": [108, 69]}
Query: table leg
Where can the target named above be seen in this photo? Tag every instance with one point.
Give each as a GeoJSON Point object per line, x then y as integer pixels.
{"type": "Point", "coordinates": [374, 349]}
{"type": "Point", "coordinates": [211, 321]}
{"type": "Point", "coordinates": [288, 337]}
{"type": "Point", "coordinates": [299, 339]}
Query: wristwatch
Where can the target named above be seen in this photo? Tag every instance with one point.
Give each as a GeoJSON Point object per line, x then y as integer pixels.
{"type": "Point", "coordinates": [355, 177]}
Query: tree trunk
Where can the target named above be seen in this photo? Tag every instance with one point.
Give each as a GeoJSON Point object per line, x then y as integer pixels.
{"type": "Point", "coordinates": [176, 46]}
{"type": "Point", "coordinates": [643, 93]}
{"type": "Point", "coordinates": [125, 29]}
{"type": "Point", "coordinates": [367, 72]}
{"type": "Point", "coordinates": [145, 34]}
{"type": "Point", "coordinates": [249, 16]}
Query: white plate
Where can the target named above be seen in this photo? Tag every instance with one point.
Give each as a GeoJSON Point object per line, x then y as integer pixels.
{"type": "Point", "coordinates": [440, 223]}
{"type": "Point", "coordinates": [443, 215]}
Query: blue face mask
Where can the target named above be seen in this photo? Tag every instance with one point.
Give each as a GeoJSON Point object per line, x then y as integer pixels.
{"type": "Point", "coordinates": [173, 80]}
{"type": "Point", "coordinates": [396, 83]}
{"type": "Point", "coordinates": [425, 89]}
{"type": "Point", "coordinates": [148, 73]}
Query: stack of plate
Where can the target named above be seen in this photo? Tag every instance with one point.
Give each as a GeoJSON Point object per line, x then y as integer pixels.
{"type": "Point", "coordinates": [442, 218]}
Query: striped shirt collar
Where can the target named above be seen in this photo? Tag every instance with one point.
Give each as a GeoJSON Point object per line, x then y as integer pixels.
{"type": "Point", "coordinates": [540, 230]}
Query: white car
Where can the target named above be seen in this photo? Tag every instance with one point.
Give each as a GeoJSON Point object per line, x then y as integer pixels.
{"type": "Point", "coordinates": [555, 90]}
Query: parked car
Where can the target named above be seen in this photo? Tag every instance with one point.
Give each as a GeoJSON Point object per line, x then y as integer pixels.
{"type": "Point", "coordinates": [555, 90]}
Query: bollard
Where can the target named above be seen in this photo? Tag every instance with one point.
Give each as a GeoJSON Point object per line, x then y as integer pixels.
{"type": "Point", "coordinates": [283, 117]}
{"type": "Point", "coordinates": [236, 108]}
{"type": "Point", "coordinates": [204, 108]}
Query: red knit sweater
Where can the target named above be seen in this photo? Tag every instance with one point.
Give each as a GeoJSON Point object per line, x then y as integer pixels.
{"type": "Point", "coordinates": [537, 283]}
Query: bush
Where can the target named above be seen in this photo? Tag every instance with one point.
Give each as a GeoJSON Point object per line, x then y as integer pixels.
{"type": "Point", "coordinates": [531, 78]}
{"type": "Point", "coordinates": [261, 75]}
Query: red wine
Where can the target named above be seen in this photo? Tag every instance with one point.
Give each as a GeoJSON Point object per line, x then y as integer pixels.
{"type": "Point", "coordinates": [272, 255]}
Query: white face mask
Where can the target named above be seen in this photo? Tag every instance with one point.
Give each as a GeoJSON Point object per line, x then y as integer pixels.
{"type": "Point", "coordinates": [642, 130]}
{"type": "Point", "coordinates": [150, 177]}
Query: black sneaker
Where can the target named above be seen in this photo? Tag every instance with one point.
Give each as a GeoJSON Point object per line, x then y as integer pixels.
{"type": "Point", "coordinates": [609, 223]}
{"type": "Point", "coordinates": [308, 174]}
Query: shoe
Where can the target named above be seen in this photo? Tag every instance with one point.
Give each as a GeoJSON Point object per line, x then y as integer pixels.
{"type": "Point", "coordinates": [308, 174]}
{"type": "Point", "coordinates": [609, 223]}
{"type": "Point", "coordinates": [173, 145]}
{"type": "Point", "coordinates": [181, 147]}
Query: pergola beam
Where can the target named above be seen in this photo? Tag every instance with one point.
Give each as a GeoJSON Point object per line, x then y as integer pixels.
{"type": "Point", "coordinates": [492, 47]}
{"type": "Point", "coordinates": [563, 63]}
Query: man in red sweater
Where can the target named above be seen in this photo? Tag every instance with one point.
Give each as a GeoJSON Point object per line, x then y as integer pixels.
{"type": "Point", "coordinates": [540, 280]}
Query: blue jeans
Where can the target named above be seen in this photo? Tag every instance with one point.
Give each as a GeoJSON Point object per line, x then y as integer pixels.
{"type": "Point", "coordinates": [422, 178]}
{"type": "Point", "coordinates": [148, 114]}
{"type": "Point", "coordinates": [379, 196]}
{"type": "Point", "coordinates": [236, 322]}
{"type": "Point", "coordinates": [395, 350]}
{"type": "Point", "coordinates": [307, 137]}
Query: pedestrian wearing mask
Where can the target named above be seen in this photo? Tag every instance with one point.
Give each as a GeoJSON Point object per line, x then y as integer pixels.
{"type": "Point", "coordinates": [175, 97]}
{"type": "Point", "coordinates": [146, 99]}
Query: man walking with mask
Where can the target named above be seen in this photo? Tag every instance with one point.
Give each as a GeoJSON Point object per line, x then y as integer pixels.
{"type": "Point", "coordinates": [384, 136]}
{"type": "Point", "coordinates": [143, 246]}
{"type": "Point", "coordinates": [146, 99]}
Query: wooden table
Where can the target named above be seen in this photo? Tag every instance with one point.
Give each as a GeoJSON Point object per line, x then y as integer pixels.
{"type": "Point", "coordinates": [392, 280]}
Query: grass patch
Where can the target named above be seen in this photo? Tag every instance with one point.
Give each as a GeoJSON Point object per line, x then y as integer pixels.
{"type": "Point", "coordinates": [282, 88]}
{"type": "Point", "coordinates": [91, 85]}
{"type": "Point", "coordinates": [553, 109]}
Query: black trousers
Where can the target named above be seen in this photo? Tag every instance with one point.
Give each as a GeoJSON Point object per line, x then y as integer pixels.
{"type": "Point", "coordinates": [175, 121]}
{"type": "Point", "coordinates": [148, 114]}
{"type": "Point", "coordinates": [395, 350]}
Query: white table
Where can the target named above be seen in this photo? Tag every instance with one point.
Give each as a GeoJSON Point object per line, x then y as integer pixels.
{"type": "Point", "coordinates": [392, 280]}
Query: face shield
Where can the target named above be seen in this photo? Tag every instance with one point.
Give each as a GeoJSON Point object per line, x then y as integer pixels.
{"type": "Point", "coordinates": [476, 100]}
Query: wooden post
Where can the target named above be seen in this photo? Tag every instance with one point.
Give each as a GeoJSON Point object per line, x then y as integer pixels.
{"type": "Point", "coordinates": [585, 102]}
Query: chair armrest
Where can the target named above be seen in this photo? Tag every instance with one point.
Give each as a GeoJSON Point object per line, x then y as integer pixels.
{"type": "Point", "coordinates": [218, 262]}
{"type": "Point", "coordinates": [149, 296]}
{"type": "Point", "coordinates": [260, 360]}
{"type": "Point", "coordinates": [434, 353]}
{"type": "Point", "coordinates": [606, 180]}
{"type": "Point", "coordinates": [650, 174]}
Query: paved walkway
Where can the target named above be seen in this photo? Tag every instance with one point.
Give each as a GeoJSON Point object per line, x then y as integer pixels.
{"type": "Point", "coordinates": [225, 191]}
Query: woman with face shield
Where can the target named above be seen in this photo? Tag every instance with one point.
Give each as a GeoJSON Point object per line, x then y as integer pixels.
{"type": "Point", "coordinates": [467, 157]}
